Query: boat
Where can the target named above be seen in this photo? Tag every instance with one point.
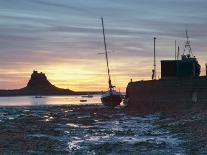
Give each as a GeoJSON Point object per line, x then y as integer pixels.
{"type": "Point", "coordinates": [179, 87]}
{"type": "Point", "coordinates": [111, 98]}
{"type": "Point", "coordinates": [83, 100]}
{"type": "Point", "coordinates": [87, 96]}
{"type": "Point", "coordinates": [38, 96]}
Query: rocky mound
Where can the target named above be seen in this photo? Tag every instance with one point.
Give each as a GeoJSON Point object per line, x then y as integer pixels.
{"type": "Point", "coordinates": [38, 85]}
{"type": "Point", "coordinates": [39, 81]}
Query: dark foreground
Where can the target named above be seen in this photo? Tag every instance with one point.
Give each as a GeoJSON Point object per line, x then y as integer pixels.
{"type": "Point", "coordinates": [93, 129]}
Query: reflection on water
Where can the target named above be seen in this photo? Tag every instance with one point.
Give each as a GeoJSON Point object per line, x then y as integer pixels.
{"type": "Point", "coordinates": [45, 100]}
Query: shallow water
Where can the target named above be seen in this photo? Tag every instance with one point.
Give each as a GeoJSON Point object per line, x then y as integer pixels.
{"type": "Point", "coordinates": [47, 100]}
{"type": "Point", "coordinates": [50, 128]}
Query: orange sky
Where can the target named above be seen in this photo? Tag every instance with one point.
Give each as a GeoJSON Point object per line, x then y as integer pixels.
{"type": "Point", "coordinates": [78, 77]}
{"type": "Point", "coordinates": [63, 39]}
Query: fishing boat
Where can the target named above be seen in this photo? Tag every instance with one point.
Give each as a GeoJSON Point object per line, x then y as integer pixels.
{"type": "Point", "coordinates": [38, 96]}
{"type": "Point", "coordinates": [87, 96]}
{"type": "Point", "coordinates": [111, 98]}
{"type": "Point", "coordinates": [83, 100]}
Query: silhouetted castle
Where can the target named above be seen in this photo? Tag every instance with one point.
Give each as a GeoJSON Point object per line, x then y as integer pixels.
{"type": "Point", "coordinates": [38, 85]}
{"type": "Point", "coordinates": [39, 81]}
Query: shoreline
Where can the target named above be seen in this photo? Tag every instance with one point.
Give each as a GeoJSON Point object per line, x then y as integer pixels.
{"type": "Point", "coordinates": [2, 94]}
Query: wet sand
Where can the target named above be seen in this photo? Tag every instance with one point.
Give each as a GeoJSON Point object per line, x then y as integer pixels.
{"type": "Point", "coordinates": [85, 129]}
{"type": "Point", "coordinates": [191, 124]}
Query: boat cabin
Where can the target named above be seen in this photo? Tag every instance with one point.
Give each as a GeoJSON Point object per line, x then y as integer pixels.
{"type": "Point", "coordinates": [187, 67]}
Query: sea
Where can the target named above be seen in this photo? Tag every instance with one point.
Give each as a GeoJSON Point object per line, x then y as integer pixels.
{"type": "Point", "coordinates": [66, 125]}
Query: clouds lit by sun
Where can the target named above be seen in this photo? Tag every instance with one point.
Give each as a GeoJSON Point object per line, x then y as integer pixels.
{"type": "Point", "coordinates": [62, 39]}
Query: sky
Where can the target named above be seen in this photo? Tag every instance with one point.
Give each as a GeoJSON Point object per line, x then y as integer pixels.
{"type": "Point", "coordinates": [63, 38]}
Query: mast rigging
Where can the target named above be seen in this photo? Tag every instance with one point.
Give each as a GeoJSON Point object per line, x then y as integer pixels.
{"type": "Point", "coordinates": [106, 56]}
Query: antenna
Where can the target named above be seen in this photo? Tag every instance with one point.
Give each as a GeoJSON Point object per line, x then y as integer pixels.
{"type": "Point", "coordinates": [187, 45]}
{"type": "Point", "coordinates": [106, 56]}
{"type": "Point", "coordinates": [154, 70]}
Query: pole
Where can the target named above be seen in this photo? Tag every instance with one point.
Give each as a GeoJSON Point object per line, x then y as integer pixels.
{"type": "Point", "coordinates": [175, 49]}
{"type": "Point", "coordinates": [154, 60]}
{"type": "Point", "coordinates": [178, 54]}
{"type": "Point", "coordinates": [206, 69]}
{"type": "Point", "coordinates": [106, 55]}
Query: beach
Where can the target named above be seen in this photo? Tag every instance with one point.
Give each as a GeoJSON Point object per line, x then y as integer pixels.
{"type": "Point", "coordinates": [94, 129]}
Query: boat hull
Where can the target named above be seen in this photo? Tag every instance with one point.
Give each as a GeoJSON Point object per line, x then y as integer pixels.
{"type": "Point", "coordinates": [111, 100]}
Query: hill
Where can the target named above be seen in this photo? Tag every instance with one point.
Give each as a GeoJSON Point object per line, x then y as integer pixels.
{"type": "Point", "coordinates": [37, 85]}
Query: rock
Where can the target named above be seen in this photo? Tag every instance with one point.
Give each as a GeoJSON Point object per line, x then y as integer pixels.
{"type": "Point", "coordinates": [37, 85]}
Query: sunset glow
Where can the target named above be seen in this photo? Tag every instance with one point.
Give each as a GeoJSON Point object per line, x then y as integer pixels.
{"type": "Point", "coordinates": [63, 38]}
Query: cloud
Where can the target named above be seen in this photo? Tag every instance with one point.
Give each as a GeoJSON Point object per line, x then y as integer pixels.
{"type": "Point", "coordinates": [50, 34]}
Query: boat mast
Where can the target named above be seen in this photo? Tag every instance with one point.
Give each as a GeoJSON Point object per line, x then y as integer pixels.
{"type": "Point", "coordinates": [106, 56]}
